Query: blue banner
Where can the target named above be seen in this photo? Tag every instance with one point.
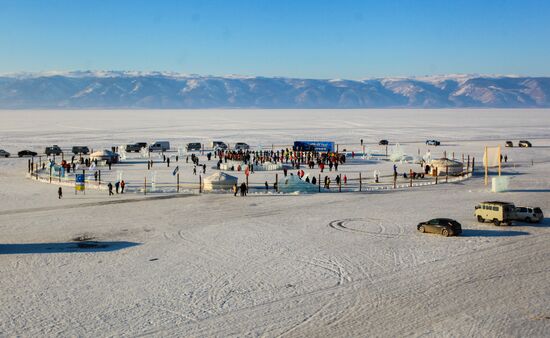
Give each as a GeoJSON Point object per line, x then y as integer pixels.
{"type": "Point", "coordinates": [319, 146]}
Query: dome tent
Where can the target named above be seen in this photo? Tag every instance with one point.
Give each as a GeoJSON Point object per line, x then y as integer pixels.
{"type": "Point", "coordinates": [219, 181]}
{"type": "Point", "coordinates": [104, 155]}
{"type": "Point", "coordinates": [292, 183]}
{"type": "Point", "coordinates": [444, 164]}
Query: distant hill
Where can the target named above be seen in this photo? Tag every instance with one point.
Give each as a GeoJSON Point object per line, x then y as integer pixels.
{"type": "Point", "coordinates": [88, 89]}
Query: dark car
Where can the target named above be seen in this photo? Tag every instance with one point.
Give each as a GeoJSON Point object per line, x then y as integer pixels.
{"type": "Point", "coordinates": [444, 226]}
{"type": "Point", "coordinates": [509, 144]}
{"type": "Point", "coordinates": [80, 150]}
{"type": "Point", "coordinates": [53, 150]}
{"type": "Point", "coordinates": [26, 153]}
{"type": "Point", "coordinates": [433, 142]}
{"type": "Point", "coordinates": [383, 142]}
{"type": "Point", "coordinates": [136, 147]}
{"type": "Point", "coordinates": [193, 146]}
{"type": "Point", "coordinates": [524, 144]}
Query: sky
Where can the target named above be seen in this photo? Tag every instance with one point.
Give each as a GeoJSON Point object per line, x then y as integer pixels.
{"type": "Point", "coordinates": [309, 39]}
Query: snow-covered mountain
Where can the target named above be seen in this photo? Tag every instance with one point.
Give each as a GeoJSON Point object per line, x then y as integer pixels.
{"type": "Point", "coordinates": [110, 89]}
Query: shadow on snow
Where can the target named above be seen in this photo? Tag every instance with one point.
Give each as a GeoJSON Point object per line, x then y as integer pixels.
{"type": "Point", "coordinates": [492, 233]}
{"type": "Point", "coordinates": [69, 247]}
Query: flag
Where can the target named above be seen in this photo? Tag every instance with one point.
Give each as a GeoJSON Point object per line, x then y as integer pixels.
{"type": "Point", "coordinates": [176, 170]}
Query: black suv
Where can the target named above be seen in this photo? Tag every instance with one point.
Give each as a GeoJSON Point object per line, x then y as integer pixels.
{"type": "Point", "coordinates": [53, 150]}
{"type": "Point", "coordinates": [136, 147]}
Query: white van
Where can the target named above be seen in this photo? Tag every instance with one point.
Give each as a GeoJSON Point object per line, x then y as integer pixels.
{"type": "Point", "coordinates": [160, 146]}
{"type": "Point", "coordinates": [218, 145]}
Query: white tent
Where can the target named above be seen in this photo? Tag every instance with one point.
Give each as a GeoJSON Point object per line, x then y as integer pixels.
{"type": "Point", "coordinates": [443, 164]}
{"type": "Point", "coordinates": [293, 184]}
{"type": "Point", "coordinates": [104, 155]}
{"type": "Point", "coordinates": [267, 166]}
{"type": "Point", "coordinates": [219, 181]}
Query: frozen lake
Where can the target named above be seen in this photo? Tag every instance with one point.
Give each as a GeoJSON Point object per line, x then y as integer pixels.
{"type": "Point", "coordinates": [332, 264]}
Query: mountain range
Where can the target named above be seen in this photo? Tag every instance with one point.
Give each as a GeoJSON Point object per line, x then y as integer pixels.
{"type": "Point", "coordinates": [122, 89]}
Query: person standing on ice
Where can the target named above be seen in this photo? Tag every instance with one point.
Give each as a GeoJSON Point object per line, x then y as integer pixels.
{"type": "Point", "coordinates": [243, 189]}
{"type": "Point", "coordinates": [117, 185]}
{"type": "Point", "coordinates": [194, 170]}
{"type": "Point", "coordinates": [266, 186]}
{"type": "Point", "coordinates": [204, 168]}
{"type": "Point", "coordinates": [168, 162]}
{"type": "Point", "coordinates": [59, 193]}
{"type": "Point", "coordinates": [122, 185]}
{"type": "Point", "coordinates": [110, 186]}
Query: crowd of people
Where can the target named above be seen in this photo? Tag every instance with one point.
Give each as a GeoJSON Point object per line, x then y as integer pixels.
{"type": "Point", "coordinates": [247, 160]}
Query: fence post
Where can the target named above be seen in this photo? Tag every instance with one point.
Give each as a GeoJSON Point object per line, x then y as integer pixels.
{"type": "Point", "coordinates": [276, 182]}
{"type": "Point", "coordinates": [99, 177]}
{"type": "Point", "coordinates": [145, 186]}
{"type": "Point", "coordinates": [360, 183]}
{"type": "Point", "coordinates": [340, 183]}
{"type": "Point", "coordinates": [200, 184]}
{"type": "Point", "coordinates": [178, 182]}
{"type": "Point", "coordinates": [29, 165]}
{"type": "Point", "coordinates": [410, 178]}
{"type": "Point", "coordinates": [319, 182]}
{"type": "Point", "coordinates": [436, 175]}
{"type": "Point", "coordinates": [446, 174]}
{"type": "Point", "coordinates": [473, 164]}
{"type": "Point", "coordinates": [50, 174]}
{"type": "Point", "coordinates": [395, 180]}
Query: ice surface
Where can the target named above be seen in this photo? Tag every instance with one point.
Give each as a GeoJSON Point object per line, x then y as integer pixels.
{"type": "Point", "coordinates": [326, 265]}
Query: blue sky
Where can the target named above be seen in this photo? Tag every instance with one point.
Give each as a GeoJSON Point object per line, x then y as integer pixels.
{"type": "Point", "coordinates": [314, 39]}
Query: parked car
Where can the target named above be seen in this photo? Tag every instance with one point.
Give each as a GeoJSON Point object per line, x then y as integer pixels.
{"type": "Point", "coordinates": [241, 146]}
{"type": "Point", "coordinates": [496, 212]}
{"type": "Point", "coordinates": [433, 142]}
{"type": "Point", "coordinates": [509, 144]}
{"type": "Point", "coordinates": [136, 147]}
{"type": "Point", "coordinates": [528, 214]}
{"type": "Point", "coordinates": [26, 153]}
{"type": "Point", "coordinates": [193, 146]}
{"type": "Point", "coordinates": [80, 150]}
{"type": "Point", "coordinates": [445, 226]}
{"type": "Point", "coordinates": [524, 144]}
{"type": "Point", "coordinates": [4, 153]}
{"type": "Point", "coordinates": [160, 146]}
{"type": "Point", "coordinates": [383, 142]}
{"type": "Point", "coordinates": [53, 150]}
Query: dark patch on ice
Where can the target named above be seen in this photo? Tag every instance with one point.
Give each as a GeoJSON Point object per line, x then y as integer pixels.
{"type": "Point", "coordinates": [69, 247]}
{"type": "Point", "coordinates": [153, 259]}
